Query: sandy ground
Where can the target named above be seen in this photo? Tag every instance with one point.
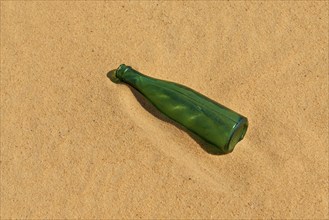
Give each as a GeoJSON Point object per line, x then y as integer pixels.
{"type": "Point", "coordinates": [76, 145]}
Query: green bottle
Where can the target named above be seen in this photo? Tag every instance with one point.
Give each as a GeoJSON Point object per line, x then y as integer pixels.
{"type": "Point", "coordinates": [216, 124]}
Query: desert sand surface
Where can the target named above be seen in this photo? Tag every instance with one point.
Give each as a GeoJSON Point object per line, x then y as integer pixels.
{"type": "Point", "coordinates": [76, 145]}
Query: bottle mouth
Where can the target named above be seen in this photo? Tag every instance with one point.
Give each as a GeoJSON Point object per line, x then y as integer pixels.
{"type": "Point", "coordinates": [113, 76]}
{"type": "Point", "coordinates": [121, 70]}
{"type": "Point", "coordinates": [238, 134]}
{"type": "Point", "coordinates": [116, 74]}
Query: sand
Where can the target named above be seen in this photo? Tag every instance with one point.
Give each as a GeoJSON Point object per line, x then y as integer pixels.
{"type": "Point", "coordinates": [76, 145]}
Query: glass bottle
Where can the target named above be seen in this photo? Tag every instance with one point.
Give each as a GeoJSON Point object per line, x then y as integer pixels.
{"type": "Point", "coordinates": [210, 120]}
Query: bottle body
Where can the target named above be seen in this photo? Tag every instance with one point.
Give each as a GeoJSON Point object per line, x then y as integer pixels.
{"type": "Point", "coordinates": [208, 119]}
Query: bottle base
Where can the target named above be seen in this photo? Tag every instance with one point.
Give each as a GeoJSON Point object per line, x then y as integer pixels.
{"type": "Point", "coordinates": [238, 134]}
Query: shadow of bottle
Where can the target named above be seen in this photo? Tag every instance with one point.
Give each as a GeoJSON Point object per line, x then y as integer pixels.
{"type": "Point", "coordinates": [148, 106]}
